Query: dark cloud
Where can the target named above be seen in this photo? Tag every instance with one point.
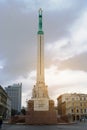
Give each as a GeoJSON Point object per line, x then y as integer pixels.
{"type": "Point", "coordinates": [17, 40]}
{"type": "Point", "coordinates": [75, 63]}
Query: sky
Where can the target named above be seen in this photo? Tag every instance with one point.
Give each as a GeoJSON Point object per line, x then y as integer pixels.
{"type": "Point", "coordinates": [65, 39]}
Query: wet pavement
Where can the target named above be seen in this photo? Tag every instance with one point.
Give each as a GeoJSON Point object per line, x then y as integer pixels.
{"type": "Point", "coordinates": [76, 126]}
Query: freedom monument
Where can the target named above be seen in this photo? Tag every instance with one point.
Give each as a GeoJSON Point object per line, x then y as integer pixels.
{"type": "Point", "coordinates": [40, 108]}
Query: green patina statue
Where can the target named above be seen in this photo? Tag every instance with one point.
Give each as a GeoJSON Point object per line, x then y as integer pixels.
{"type": "Point", "coordinates": [40, 22]}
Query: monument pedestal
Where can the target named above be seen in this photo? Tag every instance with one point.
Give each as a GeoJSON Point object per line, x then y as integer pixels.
{"type": "Point", "coordinates": [41, 113]}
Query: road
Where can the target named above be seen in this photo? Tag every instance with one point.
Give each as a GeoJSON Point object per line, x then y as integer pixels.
{"type": "Point", "coordinates": [78, 126]}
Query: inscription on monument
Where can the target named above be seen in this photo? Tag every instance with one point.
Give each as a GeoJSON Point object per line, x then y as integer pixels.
{"type": "Point", "coordinates": [41, 105]}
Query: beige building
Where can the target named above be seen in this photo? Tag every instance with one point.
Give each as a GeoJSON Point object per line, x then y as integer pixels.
{"type": "Point", "coordinates": [74, 106]}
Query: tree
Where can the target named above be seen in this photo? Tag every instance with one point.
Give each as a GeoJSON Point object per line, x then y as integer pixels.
{"type": "Point", "coordinates": [13, 112]}
{"type": "Point", "coordinates": [23, 111]}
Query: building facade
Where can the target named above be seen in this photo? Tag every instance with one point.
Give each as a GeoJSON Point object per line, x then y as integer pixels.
{"type": "Point", "coordinates": [3, 102]}
{"type": "Point", "coordinates": [74, 106]}
{"type": "Point", "coordinates": [8, 112]}
{"type": "Point", "coordinates": [15, 93]}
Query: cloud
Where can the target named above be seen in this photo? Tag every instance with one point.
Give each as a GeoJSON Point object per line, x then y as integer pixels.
{"type": "Point", "coordinates": [79, 30]}
{"type": "Point", "coordinates": [75, 63]}
{"type": "Point", "coordinates": [64, 51]}
{"type": "Point", "coordinates": [66, 77]}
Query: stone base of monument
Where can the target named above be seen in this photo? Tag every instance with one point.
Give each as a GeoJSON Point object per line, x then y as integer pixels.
{"type": "Point", "coordinates": [41, 112]}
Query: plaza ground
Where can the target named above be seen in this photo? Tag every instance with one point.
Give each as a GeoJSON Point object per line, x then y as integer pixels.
{"type": "Point", "coordinates": [76, 126]}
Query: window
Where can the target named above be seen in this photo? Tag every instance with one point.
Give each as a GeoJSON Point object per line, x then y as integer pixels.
{"type": "Point", "coordinates": [84, 110]}
{"type": "Point", "coordinates": [80, 104]}
{"type": "Point", "coordinates": [72, 99]}
{"type": "Point", "coordinates": [80, 98]}
{"type": "Point", "coordinates": [84, 98]}
{"type": "Point", "coordinates": [77, 110]}
{"type": "Point", "coordinates": [81, 111]}
{"type": "Point", "coordinates": [72, 110]}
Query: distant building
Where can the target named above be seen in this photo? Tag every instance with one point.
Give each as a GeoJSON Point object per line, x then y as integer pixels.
{"type": "Point", "coordinates": [74, 106]}
{"type": "Point", "coordinates": [3, 102]}
{"type": "Point", "coordinates": [8, 113]}
{"type": "Point", "coordinates": [14, 92]}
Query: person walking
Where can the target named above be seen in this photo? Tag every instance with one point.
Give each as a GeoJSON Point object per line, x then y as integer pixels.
{"type": "Point", "coordinates": [1, 121]}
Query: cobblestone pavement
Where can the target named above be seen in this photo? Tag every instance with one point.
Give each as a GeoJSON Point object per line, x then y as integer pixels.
{"type": "Point", "coordinates": [78, 126]}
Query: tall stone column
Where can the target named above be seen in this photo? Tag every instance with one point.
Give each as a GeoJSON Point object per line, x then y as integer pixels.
{"type": "Point", "coordinates": [40, 89]}
{"type": "Point", "coordinates": [40, 51]}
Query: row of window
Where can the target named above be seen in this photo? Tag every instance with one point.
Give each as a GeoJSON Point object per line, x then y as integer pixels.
{"type": "Point", "coordinates": [79, 111]}
{"type": "Point", "coordinates": [79, 104]}
{"type": "Point", "coordinates": [77, 98]}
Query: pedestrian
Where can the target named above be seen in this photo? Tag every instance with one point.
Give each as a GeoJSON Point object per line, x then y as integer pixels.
{"type": "Point", "coordinates": [1, 121]}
